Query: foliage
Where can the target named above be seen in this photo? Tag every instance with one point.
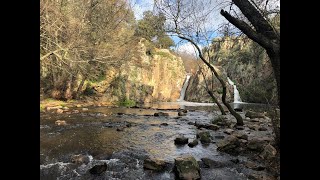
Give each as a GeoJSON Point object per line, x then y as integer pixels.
{"type": "Point", "coordinates": [127, 103]}
{"type": "Point", "coordinates": [79, 39]}
{"type": "Point", "coordinates": [152, 28]}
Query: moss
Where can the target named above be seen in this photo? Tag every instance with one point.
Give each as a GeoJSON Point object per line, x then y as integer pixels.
{"type": "Point", "coordinates": [127, 103]}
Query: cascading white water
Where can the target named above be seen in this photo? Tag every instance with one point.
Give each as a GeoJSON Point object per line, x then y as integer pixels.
{"type": "Point", "coordinates": [236, 95]}
{"type": "Point", "coordinates": [184, 88]}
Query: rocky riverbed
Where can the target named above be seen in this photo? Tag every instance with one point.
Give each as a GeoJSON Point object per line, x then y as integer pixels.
{"type": "Point", "coordinates": [159, 141]}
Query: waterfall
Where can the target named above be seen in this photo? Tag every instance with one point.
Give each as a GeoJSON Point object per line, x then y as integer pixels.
{"type": "Point", "coordinates": [236, 94]}
{"type": "Point", "coordinates": [184, 88]}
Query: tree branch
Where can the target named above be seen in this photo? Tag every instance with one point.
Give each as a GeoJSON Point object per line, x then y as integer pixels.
{"type": "Point", "coordinates": [246, 29]}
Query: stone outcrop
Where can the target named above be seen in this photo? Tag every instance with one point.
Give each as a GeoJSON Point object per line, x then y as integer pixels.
{"type": "Point", "coordinates": [150, 75]}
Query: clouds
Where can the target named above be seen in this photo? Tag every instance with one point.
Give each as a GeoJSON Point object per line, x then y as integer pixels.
{"type": "Point", "coordinates": [139, 6]}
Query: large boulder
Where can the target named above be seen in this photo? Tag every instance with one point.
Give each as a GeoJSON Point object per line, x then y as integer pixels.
{"type": "Point", "coordinates": [186, 167]}
{"type": "Point", "coordinates": [252, 115]}
{"type": "Point", "coordinates": [229, 145]}
{"type": "Point", "coordinates": [268, 152]}
{"type": "Point", "coordinates": [193, 143]}
{"type": "Point", "coordinates": [256, 145]}
{"type": "Point", "coordinates": [98, 169]}
{"type": "Point", "coordinates": [204, 136]}
{"type": "Point", "coordinates": [180, 140]}
{"type": "Point", "coordinates": [221, 121]}
{"type": "Point", "coordinates": [154, 164]}
{"type": "Point", "coordinates": [79, 159]}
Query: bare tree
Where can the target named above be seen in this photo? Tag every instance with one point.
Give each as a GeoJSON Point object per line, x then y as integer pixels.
{"type": "Point", "coordinates": [79, 40]}
{"type": "Point", "coordinates": [189, 20]}
{"type": "Point", "coordinates": [259, 30]}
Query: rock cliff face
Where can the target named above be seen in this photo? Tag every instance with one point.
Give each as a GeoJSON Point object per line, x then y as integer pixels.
{"type": "Point", "coordinates": [245, 63]}
{"type": "Point", "coordinates": [150, 75]}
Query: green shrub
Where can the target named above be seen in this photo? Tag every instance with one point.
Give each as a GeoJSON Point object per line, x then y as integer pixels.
{"type": "Point", "coordinates": [127, 103]}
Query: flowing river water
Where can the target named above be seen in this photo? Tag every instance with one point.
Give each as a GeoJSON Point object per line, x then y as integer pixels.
{"type": "Point", "coordinates": [93, 133]}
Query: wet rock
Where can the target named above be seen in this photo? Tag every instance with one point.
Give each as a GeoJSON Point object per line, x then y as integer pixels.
{"type": "Point", "coordinates": [161, 114]}
{"type": "Point", "coordinates": [241, 135]}
{"type": "Point", "coordinates": [207, 126]}
{"type": "Point", "coordinates": [65, 108]}
{"type": "Point", "coordinates": [181, 113]}
{"type": "Point", "coordinates": [228, 131]}
{"type": "Point", "coordinates": [221, 121]}
{"type": "Point", "coordinates": [128, 124]}
{"type": "Point", "coordinates": [240, 127]}
{"type": "Point", "coordinates": [229, 145]}
{"type": "Point", "coordinates": [183, 110]}
{"type": "Point", "coordinates": [236, 161]}
{"type": "Point", "coordinates": [204, 136]}
{"type": "Point", "coordinates": [254, 120]}
{"type": "Point", "coordinates": [180, 140]}
{"type": "Point", "coordinates": [262, 129]}
{"type": "Point", "coordinates": [193, 143]}
{"type": "Point", "coordinates": [60, 123]}
{"type": "Point", "coordinates": [219, 137]}
{"type": "Point", "coordinates": [80, 159]}
{"type": "Point", "coordinates": [211, 127]}
{"type": "Point", "coordinates": [250, 165]}
{"type": "Point", "coordinates": [164, 124]}
{"type": "Point", "coordinates": [59, 111]}
{"type": "Point", "coordinates": [252, 115]}
{"type": "Point", "coordinates": [253, 127]}
{"type": "Point", "coordinates": [54, 108]}
{"type": "Point", "coordinates": [119, 113]}
{"type": "Point", "coordinates": [154, 164]}
{"type": "Point", "coordinates": [256, 176]}
{"type": "Point", "coordinates": [120, 128]}
{"type": "Point", "coordinates": [98, 169]}
{"type": "Point", "coordinates": [256, 145]}
{"type": "Point", "coordinates": [238, 109]}
{"type": "Point", "coordinates": [269, 152]}
{"type": "Point", "coordinates": [211, 163]}
{"type": "Point", "coordinates": [191, 123]}
{"type": "Point", "coordinates": [187, 168]}
{"type": "Point", "coordinates": [85, 109]}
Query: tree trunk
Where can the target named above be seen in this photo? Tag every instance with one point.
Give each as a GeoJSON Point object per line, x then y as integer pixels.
{"type": "Point", "coordinates": [233, 112]}
{"type": "Point", "coordinates": [275, 61]}
{"type": "Point", "coordinates": [80, 87]}
{"type": "Point", "coordinates": [263, 34]}
{"type": "Point", "coordinates": [217, 102]}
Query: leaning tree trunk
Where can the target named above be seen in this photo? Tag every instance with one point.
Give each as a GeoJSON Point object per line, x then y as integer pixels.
{"type": "Point", "coordinates": [275, 61]}
{"type": "Point", "coordinates": [263, 34]}
{"type": "Point", "coordinates": [224, 88]}
{"type": "Point", "coordinates": [76, 96]}
{"type": "Point", "coordinates": [211, 93]}
{"type": "Point", "coordinates": [217, 102]}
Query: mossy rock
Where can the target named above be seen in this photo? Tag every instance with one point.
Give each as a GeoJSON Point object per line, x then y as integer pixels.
{"type": "Point", "coordinates": [186, 167]}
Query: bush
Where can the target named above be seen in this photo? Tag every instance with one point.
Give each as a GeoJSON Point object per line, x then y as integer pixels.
{"type": "Point", "coordinates": [127, 103]}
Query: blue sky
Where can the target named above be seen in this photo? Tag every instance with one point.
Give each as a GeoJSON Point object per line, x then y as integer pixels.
{"type": "Point", "coordinates": [139, 6]}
